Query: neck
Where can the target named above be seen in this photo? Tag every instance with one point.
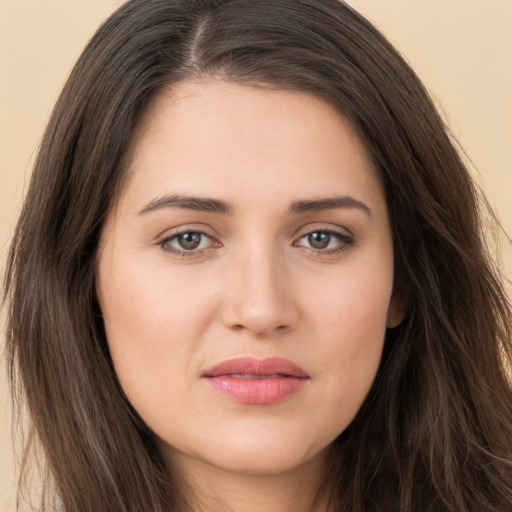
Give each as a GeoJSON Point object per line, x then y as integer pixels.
{"type": "Point", "coordinates": [209, 488]}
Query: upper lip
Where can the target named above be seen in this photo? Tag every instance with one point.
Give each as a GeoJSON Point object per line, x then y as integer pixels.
{"type": "Point", "coordinates": [260, 367]}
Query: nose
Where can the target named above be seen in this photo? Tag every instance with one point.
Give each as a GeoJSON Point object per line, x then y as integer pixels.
{"type": "Point", "coordinates": [259, 297]}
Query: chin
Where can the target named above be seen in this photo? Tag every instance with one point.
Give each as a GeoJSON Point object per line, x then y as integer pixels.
{"type": "Point", "coordinates": [252, 454]}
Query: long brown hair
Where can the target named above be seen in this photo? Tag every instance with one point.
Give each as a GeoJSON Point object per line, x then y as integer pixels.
{"type": "Point", "coordinates": [435, 432]}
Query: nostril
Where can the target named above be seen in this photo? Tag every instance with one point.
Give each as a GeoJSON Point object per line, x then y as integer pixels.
{"type": "Point", "coordinates": [278, 330]}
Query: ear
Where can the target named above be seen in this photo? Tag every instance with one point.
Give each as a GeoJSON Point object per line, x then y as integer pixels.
{"type": "Point", "coordinates": [397, 310]}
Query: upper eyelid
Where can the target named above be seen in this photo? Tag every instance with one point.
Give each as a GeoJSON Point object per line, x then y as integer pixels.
{"type": "Point", "coordinates": [173, 236]}
{"type": "Point", "coordinates": [329, 231]}
{"type": "Point", "coordinates": [342, 237]}
{"type": "Point", "coordinates": [179, 233]}
{"type": "Point", "coordinates": [212, 233]}
{"type": "Point", "coordinates": [312, 228]}
{"type": "Point", "coordinates": [172, 232]}
{"type": "Point", "coordinates": [298, 233]}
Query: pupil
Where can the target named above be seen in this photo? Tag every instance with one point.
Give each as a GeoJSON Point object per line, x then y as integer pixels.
{"type": "Point", "coordinates": [319, 240]}
{"type": "Point", "coordinates": [189, 241]}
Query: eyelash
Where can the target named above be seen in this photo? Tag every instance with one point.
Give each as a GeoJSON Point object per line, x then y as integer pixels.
{"type": "Point", "coordinates": [164, 244]}
{"type": "Point", "coordinates": [345, 240]}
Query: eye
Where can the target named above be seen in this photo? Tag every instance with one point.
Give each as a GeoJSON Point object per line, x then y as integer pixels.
{"type": "Point", "coordinates": [323, 240]}
{"type": "Point", "coordinates": [187, 242]}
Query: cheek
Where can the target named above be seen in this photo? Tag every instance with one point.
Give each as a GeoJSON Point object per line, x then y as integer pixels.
{"type": "Point", "coordinates": [352, 304]}
{"type": "Point", "coordinates": [150, 303]}
{"type": "Point", "coordinates": [153, 328]}
{"type": "Point", "coordinates": [352, 323]}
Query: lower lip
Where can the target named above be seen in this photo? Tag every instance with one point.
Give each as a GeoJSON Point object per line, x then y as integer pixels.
{"type": "Point", "coordinates": [257, 391]}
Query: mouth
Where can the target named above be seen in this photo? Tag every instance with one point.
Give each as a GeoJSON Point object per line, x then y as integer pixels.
{"type": "Point", "coordinates": [256, 381]}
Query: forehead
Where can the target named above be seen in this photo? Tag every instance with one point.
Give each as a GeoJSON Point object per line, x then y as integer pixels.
{"type": "Point", "coordinates": [217, 137]}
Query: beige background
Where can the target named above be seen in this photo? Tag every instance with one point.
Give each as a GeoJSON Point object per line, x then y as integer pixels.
{"type": "Point", "coordinates": [461, 48]}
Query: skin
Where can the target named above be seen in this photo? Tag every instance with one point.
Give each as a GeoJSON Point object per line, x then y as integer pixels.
{"type": "Point", "coordinates": [257, 285]}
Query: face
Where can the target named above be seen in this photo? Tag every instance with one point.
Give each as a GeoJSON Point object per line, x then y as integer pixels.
{"type": "Point", "coordinates": [245, 276]}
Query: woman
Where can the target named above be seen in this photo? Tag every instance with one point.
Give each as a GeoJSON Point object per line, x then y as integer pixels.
{"type": "Point", "coordinates": [250, 275]}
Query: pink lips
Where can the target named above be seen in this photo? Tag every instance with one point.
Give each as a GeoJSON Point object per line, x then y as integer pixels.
{"type": "Point", "coordinates": [257, 381]}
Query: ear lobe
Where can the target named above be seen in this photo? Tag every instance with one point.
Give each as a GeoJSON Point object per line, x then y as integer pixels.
{"type": "Point", "coordinates": [396, 311]}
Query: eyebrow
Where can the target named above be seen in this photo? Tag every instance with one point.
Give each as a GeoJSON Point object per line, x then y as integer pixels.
{"type": "Point", "coordinates": [189, 203]}
{"type": "Point", "coordinates": [330, 203]}
{"type": "Point", "coordinates": [210, 205]}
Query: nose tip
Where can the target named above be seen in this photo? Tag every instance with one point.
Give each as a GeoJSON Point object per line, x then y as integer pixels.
{"type": "Point", "coordinates": [260, 301]}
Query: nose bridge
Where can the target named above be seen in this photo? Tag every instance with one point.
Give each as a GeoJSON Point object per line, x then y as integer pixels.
{"type": "Point", "coordinates": [259, 296]}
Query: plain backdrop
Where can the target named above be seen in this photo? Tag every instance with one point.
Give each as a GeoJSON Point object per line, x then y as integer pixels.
{"type": "Point", "coordinates": [462, 49]}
